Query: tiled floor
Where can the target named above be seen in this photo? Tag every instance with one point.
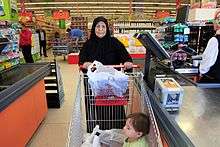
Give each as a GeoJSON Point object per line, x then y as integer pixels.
{"type": "Point", "coordinates": [53, 132]}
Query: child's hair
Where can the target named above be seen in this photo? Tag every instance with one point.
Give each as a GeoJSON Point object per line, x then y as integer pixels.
{"type": "Point", "coordinates": [140, 122]}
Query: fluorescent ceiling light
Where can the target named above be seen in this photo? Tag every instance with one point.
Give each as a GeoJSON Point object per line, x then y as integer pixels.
{"type": "Point", "coordinates": [104, 3]}
{"type": "Point", "coordinates": [74, 7]}
{"type": "Point", "coordinates": [103, 11]}
{"type": "Point", "coordinates": [38, 14]}
{"type": "Point", "coordinates": [107, 14]}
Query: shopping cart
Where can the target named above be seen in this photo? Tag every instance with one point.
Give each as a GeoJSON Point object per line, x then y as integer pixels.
{"type": "Point", "coordinates": [77, 44]}
{"type": "Point", "coordinates": [61, 47]}
{"type": "Point", "coordinates": [85, 109]}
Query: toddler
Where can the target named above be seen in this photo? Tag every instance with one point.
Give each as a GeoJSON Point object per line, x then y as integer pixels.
{"type": "Point", "coordinates": [136, 128]}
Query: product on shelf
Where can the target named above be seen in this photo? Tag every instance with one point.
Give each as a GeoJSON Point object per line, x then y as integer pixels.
{"type": "Point", "coordinates": [50, 26]}
{"type": "Point", "coordinates": [132, 45]}
{"type": "Point", "coordinates": [133, 26]}
{"type": "Point", "coordinates": [9, 51]}
{"type": "Point", "coordinates": [82, 24]}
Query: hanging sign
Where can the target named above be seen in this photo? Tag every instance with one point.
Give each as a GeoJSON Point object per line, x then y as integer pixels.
{"type": "Point", "coordinates": [61, 14]}
{"type": "Point", "coordinates": [47, 13]}
{"type": "Point", "coordinates": [162, 14]}
{"type": "Point", "coordinates": [209, 5]}
{"type": "Point", "coordinates": [25, 17]}
{"type": "Point", "coordinates": [22, 6]}
{"type": "Point", "coordinates": [178, 3]}
{"type": "Point", "coordinates": [62, 24]}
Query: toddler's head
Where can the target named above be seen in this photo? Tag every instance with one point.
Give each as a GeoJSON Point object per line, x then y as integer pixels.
{"type": "Point", "coordinates": [137, 125]}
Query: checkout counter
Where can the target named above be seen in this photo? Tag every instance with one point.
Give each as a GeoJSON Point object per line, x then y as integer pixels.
{"type": "Point", "coordinates": [23, 103]}
{"type": "Point", "coordinates": [196, 123]}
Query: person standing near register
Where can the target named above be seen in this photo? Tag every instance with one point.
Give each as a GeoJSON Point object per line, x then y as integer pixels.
{"type": "Point", "coordinates": [210, 65]}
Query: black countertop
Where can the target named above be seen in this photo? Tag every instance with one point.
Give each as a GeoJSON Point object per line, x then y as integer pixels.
{"type": "Point", "coordinates": [15, 81]}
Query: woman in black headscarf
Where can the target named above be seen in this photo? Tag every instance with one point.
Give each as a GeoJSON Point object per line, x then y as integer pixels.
{"type": "Point", "coordinates": [103, 48]}
{"type": "Point", "coordinates": [109, 51]}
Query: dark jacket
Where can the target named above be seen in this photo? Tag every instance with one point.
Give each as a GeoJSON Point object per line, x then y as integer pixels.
{"type": "Point", "coordinates": [107, 50]}
{"type": "Point", "coordinates": [38, 31]}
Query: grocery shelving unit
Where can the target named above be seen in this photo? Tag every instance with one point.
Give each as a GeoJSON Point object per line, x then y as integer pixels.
{"type": "Point", "coordinates": [50, 27]}
{"type": "Point", "coordinates": [9, 51]}
{"type": "Point", "coordinates": [199, 36]}
{"type": "Point", "coordinates": [134, 26]}
{"type": "Point", "coordinates": [82, 24]}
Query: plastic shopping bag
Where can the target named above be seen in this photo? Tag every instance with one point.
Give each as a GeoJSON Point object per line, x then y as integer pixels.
{"type": "Point", "coordinates": [107, 81]}
{"type": "Point", "coordinates": [106, 138]}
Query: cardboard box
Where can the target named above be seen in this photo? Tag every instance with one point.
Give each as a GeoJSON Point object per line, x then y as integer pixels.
{"type": "Point", "coordinates": [203, 4]}
{"type": "Point", "coordinates": [195, 4]}
{"type": "Point", "coordinates": [208, 4]}
{"type": "Point", "coordinates": [169, 92]}
{"type": "Point", "coordinates": [201, 14]}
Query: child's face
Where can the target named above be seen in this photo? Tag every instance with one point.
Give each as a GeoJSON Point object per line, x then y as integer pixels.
{"type": "Point", "coordinates": [129, 130]}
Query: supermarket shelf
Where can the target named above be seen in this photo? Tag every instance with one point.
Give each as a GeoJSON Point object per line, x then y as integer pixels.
{"type": "Point", "coordinates": [134, 27]}
{"type": "Point", "coordinates": [11, 42]}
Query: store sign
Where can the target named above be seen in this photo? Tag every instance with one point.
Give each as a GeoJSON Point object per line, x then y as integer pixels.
{"type": "Point", "coordinates": [209, 5]}
{"type": "Point", "coordinates": [162, 14]}
{"type": "Point", "coordinates": [22, 6]}
{"type": "Point", "coordinates": [61, 14]}
{"type": "Point", "coordinates": [62, 24]}
{"type": "Point", "coordinates": [47, 13]}
{"type": "Point", "coordinates": [178, 3]}
{"type": "Point", "coordinates": [25, 17]}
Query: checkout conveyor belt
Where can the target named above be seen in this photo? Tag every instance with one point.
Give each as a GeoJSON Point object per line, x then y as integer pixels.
{"type": "Point", "coordinates": [17, 80]}
{"type": "Point", "coordinates": [198, 120]}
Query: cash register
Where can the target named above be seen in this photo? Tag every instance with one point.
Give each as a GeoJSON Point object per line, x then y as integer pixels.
{"type": "Point", "coordinates": [166, 88]}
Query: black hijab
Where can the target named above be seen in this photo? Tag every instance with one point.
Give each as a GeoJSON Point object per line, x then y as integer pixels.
{"type": "Point", "coordinates": [107, 50]}
{"type": "Point", "coordinates": [95, 22]}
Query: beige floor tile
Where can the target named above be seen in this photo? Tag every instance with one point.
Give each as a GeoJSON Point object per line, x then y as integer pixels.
{"type": "Point", "coordinates": [50, 135]}
{"type": "Point", "coordinates": [53, 132]}
{"type": "Point", "coordinates": [59, 115]}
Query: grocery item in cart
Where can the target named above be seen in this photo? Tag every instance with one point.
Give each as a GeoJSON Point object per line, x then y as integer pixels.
{"type": "Point", "coordinates": [106, 81]}
{"type": "Point", "coordinates": [104, 138]}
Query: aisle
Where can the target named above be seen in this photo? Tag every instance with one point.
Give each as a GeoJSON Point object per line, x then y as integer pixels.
{"type": "Point", "coordinates": [53, 131]}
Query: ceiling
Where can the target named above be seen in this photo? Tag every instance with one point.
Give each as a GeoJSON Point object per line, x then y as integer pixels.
{"type": "Point", "coordinates": [119, 9]}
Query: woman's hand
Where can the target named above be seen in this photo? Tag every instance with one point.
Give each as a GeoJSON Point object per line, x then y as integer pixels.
{"type": "Point", "coordinates": [128, 65]}
{"type": "Point", "coordinates": [86, 65]}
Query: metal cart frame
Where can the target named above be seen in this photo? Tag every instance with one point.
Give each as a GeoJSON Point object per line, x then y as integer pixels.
{"type": "Point", "coordinates": [77, 128]}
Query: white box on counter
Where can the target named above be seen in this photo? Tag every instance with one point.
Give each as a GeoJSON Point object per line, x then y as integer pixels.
{"type": "Point", "coordinates": [169, 92]}
{"type": "Point", "coordinates": [201, 14]}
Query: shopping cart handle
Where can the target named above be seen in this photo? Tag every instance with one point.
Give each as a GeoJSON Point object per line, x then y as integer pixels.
{"type": "Point", "coordinates": [122, 66]}
{"type": "Point", "coordinates": [114, 66]}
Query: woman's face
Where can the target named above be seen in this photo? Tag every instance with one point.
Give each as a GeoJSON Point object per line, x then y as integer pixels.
{"type": "Point", "coordinates": [100, 29]}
